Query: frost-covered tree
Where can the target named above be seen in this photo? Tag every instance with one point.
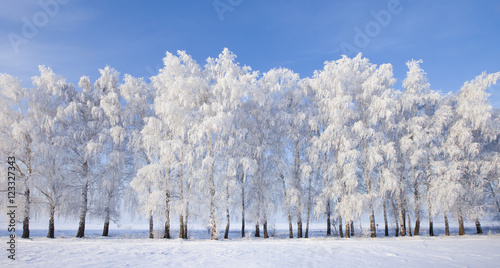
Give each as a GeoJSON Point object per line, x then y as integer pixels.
{"type": "Point", "coordinates": [18, 131]}
{"type": "Point", "coordinates": [115, 168]}
{"type": "Point", "coordinates": [179, 91]}
{"type": "Point", "coordinates": [370, 96]}
{"type": "Point", "coordinates": [287, 114]}
{"type": "Point", "coordinates": [463, 148]}
{"type": "Point", "coordinates": [203, 143]}
{"type": "Point", "coordinates": [419, 103]}
{"type": "Point", "coordinates": [50, 93]}
{"type": "Point", "coordinates": [83, 121]}
{"type": "Point", "coordinates": [336, 141]}
{"type": "Point", "coordinates": [138, 101]}
{"type": "Point", "coordinates": [226, 82]}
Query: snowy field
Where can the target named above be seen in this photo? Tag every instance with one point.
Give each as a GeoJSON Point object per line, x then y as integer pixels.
{"type": "Point", "coordinates": [129, 247]}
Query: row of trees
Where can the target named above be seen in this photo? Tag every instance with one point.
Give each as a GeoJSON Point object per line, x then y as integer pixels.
{"type": "Point", "coordinates": [221, 141]}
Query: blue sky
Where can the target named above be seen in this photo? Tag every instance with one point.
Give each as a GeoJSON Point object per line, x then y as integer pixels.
{"type": "Point", "coordinates": [456, 40]}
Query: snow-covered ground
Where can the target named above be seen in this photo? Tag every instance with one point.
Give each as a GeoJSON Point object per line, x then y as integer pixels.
{"type": "Point", "coordinates": [128, 247]}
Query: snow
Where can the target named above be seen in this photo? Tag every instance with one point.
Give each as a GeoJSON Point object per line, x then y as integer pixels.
{"type": "Point", "coordinates": [129, 248]}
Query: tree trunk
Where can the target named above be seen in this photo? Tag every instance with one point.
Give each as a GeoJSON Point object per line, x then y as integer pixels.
{"type": "Point", "coordinates": [409, 222]}
{"type": "Point", "coordinates": [181, 225]}
{"type": "Point", "coordinates": [395, 209]}
{"type": "Point", "coordinates": [26, 220]}
{"type": "Point", "coordinates": [328, 220]}
{"type": "Point", "coordinates": [257, 230]}
{"type": "Point", "coordinates": [402, 224]}
{"type": "Point", "coordinates": [446, 225]}
{"type": "Point", "coordinates": [461, 229]}
{"type": "Point", "coordinates": [167, 215]}
{"type": "Point", "coordinates": [51, 221]}
{"type": "Point", "coordinates": [352, 229]}
{"type": "Point", "coordinates": [309, 201]}
{"type": "Point", "coordinates": [287, 207]}
{"type": "Point", "coordinates": [243, 204]}
{"type": "Point", "coordinates": [151, 230]}
{"type": "Point", "coordinates": [226, 233]}
{"type": "Point", "coordinates": [27, 204]}
{"type": "Point", "coordinates": [181, 200]}
{"type": "Point", "coordinates": [373, 230]}
{"type": "Point", "coordinates": [186, 215]}
{"type": "Point", "coordinates": [213, 224]}
{"type": "Point", "coordinates": [367, 177]}
{"type": "Point", "coordinates": [347, 233]}
{"type": "Point", "coordinates": [417, 210]}
{"type": "Point", "coordinates": [404, 218]}
{"type": "Point", "coordinates": [299, 226]}
{"type": "Point", "coordinates": [107, 212]}
{"type": "Point", "coordinates": [299, 189]}
{"type": "Point", "coordinates": [431, 223]}
{"type": "Point", "coordinates": [266, 234]}
{"type": "Point", "coordinates": [83, 211]}
{"type": "Point", "coordinates": [341, 232]}
{"type": "Point", "coordinates": [105, 230]}
{"type": "Point", "coordinates": [478, 226]}
{"type": "Point", "coordinates": [386, 229]}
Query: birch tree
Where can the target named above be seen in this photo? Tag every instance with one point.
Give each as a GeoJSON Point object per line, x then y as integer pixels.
{"type": "Point", "coordinates": [18, 133]}
{"type": "Point", "coordinates": [50, 93]}
{"type": "Point", "coordinates": [82, 118]}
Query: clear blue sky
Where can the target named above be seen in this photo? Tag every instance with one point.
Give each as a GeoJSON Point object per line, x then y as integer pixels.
{"type": "Point", "coordinates": [456, 39]}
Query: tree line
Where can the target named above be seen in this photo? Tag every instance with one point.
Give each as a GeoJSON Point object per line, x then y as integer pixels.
{"type": "Point", "coordinates": [221, 141]}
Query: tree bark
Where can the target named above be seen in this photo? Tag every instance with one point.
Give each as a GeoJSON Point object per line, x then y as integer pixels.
{"type": "Point", "coordinates": [27, 204]}
{"type": "Point", "coordinates": [367, 177]}
{"type": "Point", "coordinates": [373, 230]}
{"type": "Point", "coordinates": [461, 229]}
{"type": "Point", "coordinates": [107, 212]}
{"type": "Point", "coordinates": [299, 189]}
{"type": "Point", "coordinates": [402, 224]}
{"type": "Point", "coordinates": [287, 207]}
{"type": "Point", "coordinates": [446, 225]}
{"type": "Point", "coordinates": [257, 230]}
{"type": "Point", "coordinates": [266, 234]}
{"type": "Point", "coordinates": [299, 226]}
{"type": "Point", "coordinates": [309, 201]}
{"type": "Point", "coordinates": [51, 221]}
{"type": "Point", "coordinates": [417, 209]}
{"type": "Point", "coordinates": [386, 226]}
{"type": "Point", "coordinates": [347, 233]}
{"type": "Point", "coordinates": [429, 211]}
{"type": "Point", "coordinates": [226, 233]}
{"type": "Point", "coordinates": [352, 228]}
{"type": "Point", "coordinates": [243, 204]}
{"type": "Point", "coordinates": [181, 200]}
{"type": "Point", "coordinates": [186, 215]}
{"type": "Point", "coordinates": [105, 230]}
{"type": "Point", "coordinates": [328, 220]}
{"type": "Point", "coordinates": [181, 225]}
{"type": "Point", "coordinates": [151, 230]}
{"type": "Point", "coordinates": [26, 220]}
{"type": "Point", "coordinates": [395, 209]}
{"type": "Point", "coordinates": [167, 215]}
{"type": "Point", "coordinates": [409, 222]}
{"type": "Point", "coordinates": [431, 223]}
{"type": "Point", "coordinates": [83, 211]}
{"type": "Point", "coordinates": [213, 224]}
{"type": "Point", "coordinates": [341, 232]}
{"type": "Point", "coordinates": [478, 226]}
